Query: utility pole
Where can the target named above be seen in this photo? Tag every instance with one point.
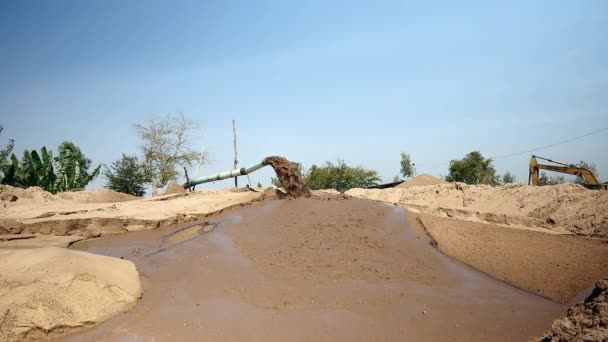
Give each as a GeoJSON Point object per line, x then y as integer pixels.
{"type": "Point", "coordinates": [236, 163]}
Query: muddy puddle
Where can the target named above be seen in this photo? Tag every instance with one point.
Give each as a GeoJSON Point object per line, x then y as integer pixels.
{"type": "Point", "coordinates": [311, 270]}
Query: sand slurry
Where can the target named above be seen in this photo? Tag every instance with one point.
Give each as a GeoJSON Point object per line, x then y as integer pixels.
{"type": "Point", "coordinates": [46, 292]}
{"type": "Point", "coordinates": [311, 270]}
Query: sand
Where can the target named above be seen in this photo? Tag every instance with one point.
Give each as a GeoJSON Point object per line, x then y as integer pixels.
{"type": "Point", "coordinates": [556, 266]}
{"type": "Point", "coordinates": [586, 321]}
{"type": "Point", "coordinates": [174, 188]}
{"type": "Point", "coordinates": [421, 180]}
{"type": "Point", "coordinates": [289, 176]}
{"type": "Point", "coordinates": [563, 208]}
{"type": "Point", "coordinates": [308, 269]}
{"type": "Point", "coordinates": [47, 292]}
{"type": "Point", "coordinates": [38, 212]}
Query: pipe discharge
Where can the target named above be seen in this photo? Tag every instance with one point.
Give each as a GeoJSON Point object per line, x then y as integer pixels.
{"type": "Point", "coordinates": [225, 175]}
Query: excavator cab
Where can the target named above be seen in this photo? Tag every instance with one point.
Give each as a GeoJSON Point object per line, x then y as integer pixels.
{"type": "Point", "coordinates": [591, 181]}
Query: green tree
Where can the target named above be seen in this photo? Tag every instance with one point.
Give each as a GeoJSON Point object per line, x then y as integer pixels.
{"type": "Point", "coordinates": [508, 177]}
{"type": "Point", "coordinates": [396, 179]}
{"type": "Point", "coordinates": [555, 179]}
{"type": "Point", "coordinates": [74, 170]}
{"type": "Point", "coordinates": [5, 162]}
{"type": "Point", "coordinates": [407, 168]}
{"type": "Point", "coordinates": [127, 175]}
{"type": "Point", "coordinates": [473, 169]}
{"type": "Point", "coordinates": [260, 185]}
{"type": "Point", "coordinates": [33, 170]}
{"type": "Point", "coordinates": [340, 177]}
{"type": "Point", "coordinates": [165, 145]}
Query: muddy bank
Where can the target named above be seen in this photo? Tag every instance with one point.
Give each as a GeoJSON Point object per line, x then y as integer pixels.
{"type": "Point", "coordinates": [556, 266]}
{"type": "Point", "coordinates": [586, 321]}
{"type": "Point", "coordinates": [311, 270]}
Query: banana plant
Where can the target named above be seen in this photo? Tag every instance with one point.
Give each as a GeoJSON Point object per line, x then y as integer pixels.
{"type": "Point", "coordinates": [73, 168]}
{"type": "Point", "coordinates": [4, 157]}
{"type": "Point", "coordinates": [44, 169]}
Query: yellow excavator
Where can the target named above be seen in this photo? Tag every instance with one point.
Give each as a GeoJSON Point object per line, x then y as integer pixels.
{"type": "Point", "coordinates": [590, 179]}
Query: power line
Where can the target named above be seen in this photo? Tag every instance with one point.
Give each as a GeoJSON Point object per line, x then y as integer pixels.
{"type": "Point", "coordinates": [531, 150]}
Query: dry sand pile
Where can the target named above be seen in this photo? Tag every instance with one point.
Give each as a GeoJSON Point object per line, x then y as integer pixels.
{"type": "Point", "coordinates": [34, 211]}
{"type": "Point", "coordinates": [420, 180]}
{"type": "Point", "coordinates": [586, 321]}
{"type": "Point", "coordinates": [559, 208]}
{"type": "Point", "coordinates": [45, 292]}
{"type": "Point", "coordinates": [174, 188]}
{"type": "Point", "coordinates": [10, 196]}
{"type": "Point", "coordinates": [96, 196]}
{"type": "Point", "coordinates": [288, 176]}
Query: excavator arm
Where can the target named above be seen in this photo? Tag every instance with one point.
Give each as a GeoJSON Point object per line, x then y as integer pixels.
{"type": "Point", "coordinates": [570, 169]}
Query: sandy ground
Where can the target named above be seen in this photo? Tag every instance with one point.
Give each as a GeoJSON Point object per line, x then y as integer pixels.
{"type": "Point", "coordinates": [311, 269]}
{"type": "Point", "coordinates": [556, 266]}
{"type": "Point", "coordinates": [34, 211]}
{"type": "Point", "coordinates": [563, 208]}
{"type": "Point", "coordinates": [292, 269]}
{"type": "Point", "coordinates": [46, 292]}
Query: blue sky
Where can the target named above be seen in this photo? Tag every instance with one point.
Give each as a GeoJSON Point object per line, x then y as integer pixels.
{"type": "Point", "coordinates": [311, 80]}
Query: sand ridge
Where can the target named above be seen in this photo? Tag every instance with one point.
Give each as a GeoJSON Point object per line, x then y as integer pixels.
{"type": "Point", "coordinates": [560, 208]}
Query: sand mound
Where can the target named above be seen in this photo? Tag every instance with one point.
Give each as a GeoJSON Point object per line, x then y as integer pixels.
{"type": "Point", "coordinates": [421, 180]}
{"type": "Point", "coordinates": [66, 217]}
{"type": "Point", "coordinates": [288, 176]}
{"type": "Point", "coordinates": [174, 188]}
{"type": "Point", "coordinates": [96, 196]}
{"type": "Point", "coordinates": [563, 207]}
{"type": "Point", "coordinates": [586, 321]}
{"type": "Point", "coordinates": [50, 291]}
{"type": "Point", "coordinates": [11, 195]}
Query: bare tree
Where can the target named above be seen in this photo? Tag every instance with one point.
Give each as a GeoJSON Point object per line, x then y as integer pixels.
{"type": "Point", "coordinates": [165, 145]}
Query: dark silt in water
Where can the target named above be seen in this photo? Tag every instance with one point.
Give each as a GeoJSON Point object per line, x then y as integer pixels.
{"type": "Point", "coordinates": [311, 270]}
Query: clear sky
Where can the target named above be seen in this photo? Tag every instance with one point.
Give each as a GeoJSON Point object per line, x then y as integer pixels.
{"type": "Point", "coordinates": [312, 80]}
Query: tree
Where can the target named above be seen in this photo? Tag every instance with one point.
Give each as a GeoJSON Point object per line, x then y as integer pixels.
{"type": "Point", "coordinates": [165, 145]}
{"type": "Point", "coordinates": [556, 179]}
{"type": "Point", "coordinates": [508, 177]}
{"type": "Point", "coordinates": [127, 175]}
{"type": "Point", "coordinates": [396, 179]}
{"type": "Point", "coordinates": [589, 166]}
{"type": "Point", "coordinates": [73, 168]}
{"type": "Point", "coordinates": [473, 169]}
{"type": "Point", "coordinates": [33, 170]}
{"type": "Point", "coordinates": [340, 177]}
{"type": "Point", "coordinates": [4, 157]}
{"type": "Point", "coordinates": [407, 168]}
{"type": "Point", "coordinates": [260, 185]}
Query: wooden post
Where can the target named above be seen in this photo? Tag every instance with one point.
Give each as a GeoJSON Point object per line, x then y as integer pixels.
{"type": "Point", "coordinates": [236, 163]}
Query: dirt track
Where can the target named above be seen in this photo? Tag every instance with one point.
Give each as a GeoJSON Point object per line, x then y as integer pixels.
{"type": "Point", "coordinates": [311, 270]}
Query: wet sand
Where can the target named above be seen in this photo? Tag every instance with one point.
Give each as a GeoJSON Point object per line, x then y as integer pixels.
{"type": "Point", "coordinates": [309, 269]}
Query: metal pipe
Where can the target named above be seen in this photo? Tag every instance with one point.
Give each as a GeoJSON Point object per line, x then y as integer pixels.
{"type": "Point", "coordinates": [225, 175]}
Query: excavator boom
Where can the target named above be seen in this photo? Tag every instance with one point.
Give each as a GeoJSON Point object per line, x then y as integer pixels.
{"type": "Point", "coordinates": [589, 177]}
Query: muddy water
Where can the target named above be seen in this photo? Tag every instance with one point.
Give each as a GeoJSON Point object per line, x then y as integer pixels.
{"type": "Point", "coordinates": [311, 270]}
